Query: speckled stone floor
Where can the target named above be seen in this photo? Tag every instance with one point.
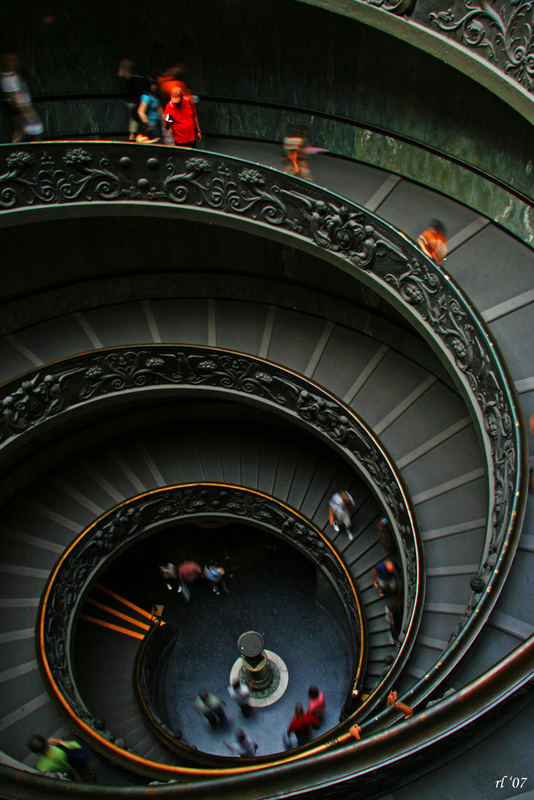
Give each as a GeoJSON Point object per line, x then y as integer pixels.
{"type": "Point", "coordinates": [272, 590]}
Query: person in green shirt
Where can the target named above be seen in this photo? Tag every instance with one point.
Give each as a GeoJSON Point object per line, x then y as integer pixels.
{"type": "Point", "coordinates": [53, 759]}
{"type": "Point", "coordinates": [55, 752]}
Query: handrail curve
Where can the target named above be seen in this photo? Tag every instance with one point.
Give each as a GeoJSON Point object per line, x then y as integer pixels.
{"type": "Point", "coordinates": [69, 386]}
{"type": "Point", "coordinates": [89, 555]}
{"type": "Point", "coordinates": [42, 398]}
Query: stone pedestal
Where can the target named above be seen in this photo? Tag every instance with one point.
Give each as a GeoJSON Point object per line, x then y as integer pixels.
{"type": "Point", "coordinates": [255, 661]}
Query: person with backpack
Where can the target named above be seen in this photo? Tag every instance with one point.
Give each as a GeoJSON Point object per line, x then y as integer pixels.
{"type": "Point", "coordinates": [79, 757]}
{"type": "Point", "coordinates": [69, 758]}
{"type": "Point", "coordinates": [181, 117]}
{"type": "Point", "coordinates": [388, 582]}
{"type": "Point", "coordinates": [387, 576]}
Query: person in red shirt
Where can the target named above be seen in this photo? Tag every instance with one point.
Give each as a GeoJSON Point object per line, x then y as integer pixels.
{"type": "Point", "coordinates": [302, 723]}
{"type": "Point", "coordinates": [188, 573]}
{"type": "Point", "coordinates": [317, 703]}
{"type": "Point", "coordinates": [181, 116]}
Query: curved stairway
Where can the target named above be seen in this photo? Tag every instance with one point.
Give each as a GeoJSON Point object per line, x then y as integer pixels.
{"type": "Point", "coordinates": [299, 472]}
{"type": "Point", "coordinates": [406, 418]}
{"type": "Point", "coordinates": [496, 271]}
{"type": "Point", "coordinates": [422, 422]}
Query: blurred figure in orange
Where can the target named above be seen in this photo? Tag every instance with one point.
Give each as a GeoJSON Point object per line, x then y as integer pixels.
{"type": "Point", "coordinates": [24, 119]}
{"type": "Point", "coordinates": [433, 241]}
{"type": "Point", "coordinates": [169, 78]}
{"type": "Point", "coordinates": [295, 152]}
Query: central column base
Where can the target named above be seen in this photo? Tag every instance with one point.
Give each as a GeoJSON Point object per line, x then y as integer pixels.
{"type": "Point", "coordinates": [260, 675]}
{"type": "Point", "coordinates": [261, 697]}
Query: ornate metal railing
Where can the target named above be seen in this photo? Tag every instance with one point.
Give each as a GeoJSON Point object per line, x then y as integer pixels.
{"type": "Point", "coordinates": [376, 763]}
{"type": "Point", "coordinates": [88, 556]}
{"type": "Point", "coordinates": [42, 397]}
{"type": "Point", "coordinates": [154, 648]}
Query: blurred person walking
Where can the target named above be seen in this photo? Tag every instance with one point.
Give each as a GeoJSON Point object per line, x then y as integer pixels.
{"type": "Point", "coordinates": [52, 759]}
{"type": "Point", "coordinates": [340, 509]}
{"type": "Point", "coordinates": [150, 111]}
{"type": "Point", "coordinates": [24, 119]}
{"type": "Point", "coordinates": [79, 757]}
{"type": "Point", "coordinates": [387, 581]}
{"type": "Point", "coordinates": [433, 241]}
{"type": "Point", "coordinates": [188, 573]}
{"type": "Point", "coordinates": [295, 152]}
{"type": "Point", "coordinates": [241, 694]}
{"type": "Point", "coordinates": [133, 87]}
{"type": "Point", "coordinates": [210, 706]}
{"type": "Point", "coordinates": [68, 758]}
{"type": "Point", "coordinates": [216, 576]}
{"type": "Point", "coordinates": [316, 703]}
{"type": "Point", "coordinates": [169, 79]}
{"type": "Point", "coordinates": [170, 576]}
{"type": "Point", "coordinates": [302, 723]}
{"type": "Point", "coordinates": [245, 746]}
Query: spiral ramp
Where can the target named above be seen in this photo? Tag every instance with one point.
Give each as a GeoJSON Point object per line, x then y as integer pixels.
{"type": "Point", "coordinates": [409, 403]}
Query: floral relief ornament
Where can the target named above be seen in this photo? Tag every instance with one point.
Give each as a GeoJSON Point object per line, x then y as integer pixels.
{"type": "Point", "coordinates": [506, 37]}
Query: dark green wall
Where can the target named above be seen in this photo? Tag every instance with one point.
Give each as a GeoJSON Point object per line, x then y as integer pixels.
{"type": "Point", "coordinates": [280, 51]}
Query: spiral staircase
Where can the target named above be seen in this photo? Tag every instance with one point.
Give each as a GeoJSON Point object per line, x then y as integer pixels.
{"type": "Point", "coordinates": [278, 283]}
{"type": "Point", "coordinates": [381, 371]}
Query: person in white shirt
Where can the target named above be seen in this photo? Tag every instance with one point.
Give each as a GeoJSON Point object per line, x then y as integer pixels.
{"type": "Point", "coordinates": [24, 118]}
{"type": "Point", "coordinates": [245, 746]}
{"type": "Point", "coordinates": [341, 507]}
{"type": "Point", "coordinates": [241, 694]}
